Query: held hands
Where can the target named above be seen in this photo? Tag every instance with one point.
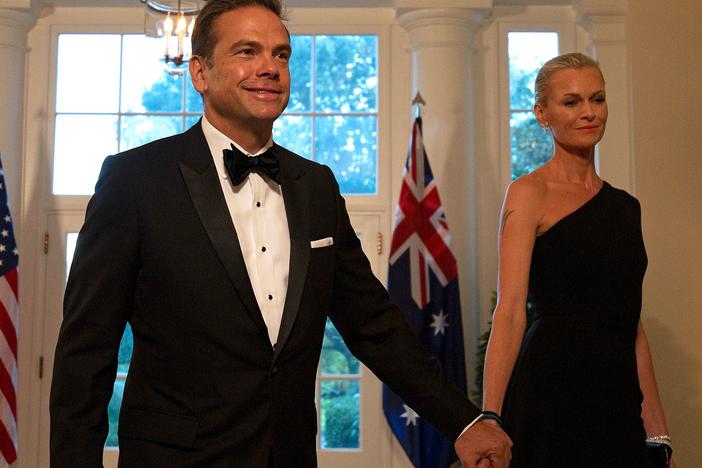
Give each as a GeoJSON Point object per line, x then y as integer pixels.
{"type": "Point", "coordinates": [484, 445]}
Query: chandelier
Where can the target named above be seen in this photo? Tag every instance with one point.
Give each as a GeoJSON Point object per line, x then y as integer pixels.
{"type": "Point", "coordinates": [172, 21]}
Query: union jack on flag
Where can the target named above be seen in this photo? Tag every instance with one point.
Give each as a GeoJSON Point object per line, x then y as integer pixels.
{"type": "Point", "coordinates": [423, 282]}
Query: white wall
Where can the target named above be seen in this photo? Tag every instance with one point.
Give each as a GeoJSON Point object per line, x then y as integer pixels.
{"type": "Point", "coordinates": [666, 71]}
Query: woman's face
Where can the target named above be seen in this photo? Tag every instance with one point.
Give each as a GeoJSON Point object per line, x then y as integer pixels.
{"type": "Point", "coordinates": [575, 108]}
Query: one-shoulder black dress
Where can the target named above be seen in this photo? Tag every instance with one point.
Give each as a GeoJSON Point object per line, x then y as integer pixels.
{"type": "Point", "coordinates": [573, 399]}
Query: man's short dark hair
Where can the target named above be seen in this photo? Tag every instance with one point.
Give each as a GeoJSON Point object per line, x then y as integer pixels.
{"type": "Point", "coordinates": [204, 37]}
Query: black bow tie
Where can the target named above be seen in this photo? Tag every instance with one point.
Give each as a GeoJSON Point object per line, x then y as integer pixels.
{"type": "Point", "coordinates": [239, 165]}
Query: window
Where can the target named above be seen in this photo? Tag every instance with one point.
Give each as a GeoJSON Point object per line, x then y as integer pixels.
{"type": "Point", "coordinates": [530, 146]}
{"type": "Point", "coordinates": [339, 394]}
{"type": "Point", "coordinates": [332, 117]}
{"type": "Point", "coordinates": [116, 105]}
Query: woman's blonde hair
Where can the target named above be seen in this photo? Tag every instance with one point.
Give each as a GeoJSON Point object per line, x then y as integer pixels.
{"type": "Point", "coordinates": [562, 62]}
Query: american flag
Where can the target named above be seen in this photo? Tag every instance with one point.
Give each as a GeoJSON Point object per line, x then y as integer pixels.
{"type": "Point", "coordinates": [9, 317]}
{"type": "Point", "coordinates": [423, 282]}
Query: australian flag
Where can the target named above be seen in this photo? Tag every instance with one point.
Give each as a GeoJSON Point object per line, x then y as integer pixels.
{"type": "Point", "coordinates": [423, 282]}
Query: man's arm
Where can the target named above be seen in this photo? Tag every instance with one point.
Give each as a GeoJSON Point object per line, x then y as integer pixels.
{"type": "Point", "coordinates": [375, 332]}
{"type": "Point", "coordinates": [97, 303]}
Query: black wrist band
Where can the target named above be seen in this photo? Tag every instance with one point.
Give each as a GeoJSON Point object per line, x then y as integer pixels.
{"type": "Point", "coordinates": [491, 415]}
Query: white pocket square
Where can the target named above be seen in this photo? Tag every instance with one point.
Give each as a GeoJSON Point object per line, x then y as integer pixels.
{"type": "Point", "coordinates": [327, 241]}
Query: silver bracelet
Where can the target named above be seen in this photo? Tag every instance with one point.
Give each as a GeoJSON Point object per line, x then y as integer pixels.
{"type": "Point", "coordinates": [660, 439]}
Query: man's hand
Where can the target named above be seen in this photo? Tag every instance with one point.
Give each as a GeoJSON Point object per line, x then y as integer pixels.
{"type": "Point", "coordinates": [484, 445]}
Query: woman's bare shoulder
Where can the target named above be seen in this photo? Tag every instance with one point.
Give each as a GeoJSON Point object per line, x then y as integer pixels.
{"type": "Point", "coordinates": [527, 191]}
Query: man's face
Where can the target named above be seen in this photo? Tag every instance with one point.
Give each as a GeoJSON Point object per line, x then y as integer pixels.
{"type": "Point", "coordinates": [248, 85]}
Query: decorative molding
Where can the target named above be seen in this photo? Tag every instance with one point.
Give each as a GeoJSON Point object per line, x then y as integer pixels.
{"type": "Point", "coordinates": [441, 27]}
{"type": "Point", "coordinates": [33, 7]}
{"type": "Point", "coordinates": [14, 26]}
{"type": "Point", "coordinates": [605, 20]}
{"type": "Point", "coordinates": [602, 7]}
{"type": "Point", "coordinates": [429, 4]}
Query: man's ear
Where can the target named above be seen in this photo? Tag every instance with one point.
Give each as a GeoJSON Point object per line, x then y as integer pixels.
{"type": "Point", "coordinates": [198, 73]}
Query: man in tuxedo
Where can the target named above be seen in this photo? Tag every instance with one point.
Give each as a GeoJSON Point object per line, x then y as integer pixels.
{"type": "Point", "coordinates": [226, 253]}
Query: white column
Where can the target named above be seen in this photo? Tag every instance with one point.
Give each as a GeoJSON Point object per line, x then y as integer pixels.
{"type": "Point", "coordinates": [14, 25]}
{"type": "Point", "coordinates": [605, 21]}
{"type": "Point", "coordinates": [442, 55]}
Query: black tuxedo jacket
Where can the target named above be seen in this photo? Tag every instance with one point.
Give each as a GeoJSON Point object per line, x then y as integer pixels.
{"type": "Point", "coordinates": [206, 388]}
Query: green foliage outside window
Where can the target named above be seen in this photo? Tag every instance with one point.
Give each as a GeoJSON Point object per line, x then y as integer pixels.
{"type": "Point", "coordinates": [530, 145]}
{"type": "Point", "coordinates": [336, 357]}
{"type": "Point", "coordinates": [339, 402]}
{"type": "Point", "coordinates": [339, 414]}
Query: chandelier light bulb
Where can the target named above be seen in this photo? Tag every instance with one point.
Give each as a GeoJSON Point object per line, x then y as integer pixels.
{"type": "Point", "coordinates": [182, 24]}
{"type": "Point", "coordinates": [168, 25]}
{"type": "Point", "coordinates": [191, 27]}
{"type": "Point", "coordinates": [167, 30]}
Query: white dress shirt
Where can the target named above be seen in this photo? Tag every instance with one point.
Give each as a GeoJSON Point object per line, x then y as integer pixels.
{"type": "Point", "coordinates": [258, 213]}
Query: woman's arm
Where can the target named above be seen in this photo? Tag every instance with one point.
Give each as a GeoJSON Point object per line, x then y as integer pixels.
{"type": "Point", "coordinates": [651, 408]}
{"type": "Point", "coordinates": [518, 226]}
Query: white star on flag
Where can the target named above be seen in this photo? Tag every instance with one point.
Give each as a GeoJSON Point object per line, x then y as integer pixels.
{"type": "Point", "coordinates": [439, 324]}
{"type": "Point", "coordinates": [4, 233]}
{"type": "Point", "coordinates": [410, 415]}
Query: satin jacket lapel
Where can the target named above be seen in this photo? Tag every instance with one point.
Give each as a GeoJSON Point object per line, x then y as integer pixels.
{"type": "Point", "coordinates": [202, 181]}
{"type": "Point", "coordinates": [296, 199]}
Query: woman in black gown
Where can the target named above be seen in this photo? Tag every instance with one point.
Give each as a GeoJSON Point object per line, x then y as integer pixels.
{"type": "Point", "coordinates": [578, 389]}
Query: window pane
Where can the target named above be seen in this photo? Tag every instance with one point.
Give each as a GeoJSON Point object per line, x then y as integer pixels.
{"type": "Point", "coordinates": [71, 238]}
{"type": "Point", "coordinates": [295, 133]}
{"type": "Point", "coordinates": [336, 357]}
{"type": "Point", "coordinates": [146, 86]}
{"type": "Point", "coordinates": [83, 88]}
{"type": "Point", "coordinates": [301, 73]}
{"type": "Point", "coordinates": [528, 51]}
{"type": "Point", "coordinates": [113, 413]}
{"type": "Point", "coordinates": [339, 415]}
{"type": "Point", "coordinates": [81, 144]}
{"type": "Point", "coordinates": [347, 74]}
{"type": "Point", "coordinates": [348, 144]}
{"type": "Point", "coordinates": [140, 129]}
{"type": "Point", "coordinates": [530, 145]}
